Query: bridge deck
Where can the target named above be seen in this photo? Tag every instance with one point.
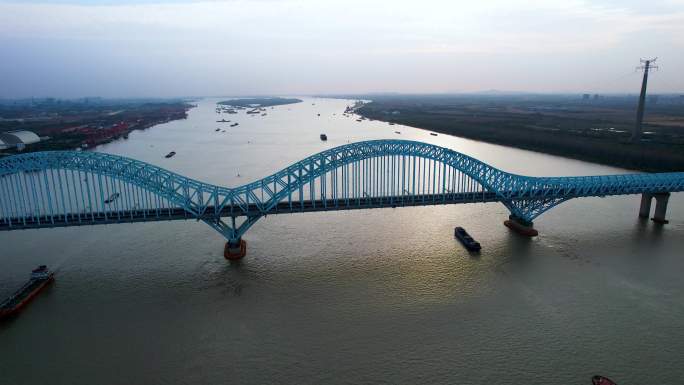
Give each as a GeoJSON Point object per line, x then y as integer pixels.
{"type": "Point", "coordinates": [171, 214]}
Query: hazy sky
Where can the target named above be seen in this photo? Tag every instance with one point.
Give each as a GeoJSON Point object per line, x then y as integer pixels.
{"type": "Point", "coordinates": [176, 48]}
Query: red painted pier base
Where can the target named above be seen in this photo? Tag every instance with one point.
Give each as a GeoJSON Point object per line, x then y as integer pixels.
{"type": "Point", "coordinates": [521, 227]}
{"type": "Point", "coordinates": [235, 251]}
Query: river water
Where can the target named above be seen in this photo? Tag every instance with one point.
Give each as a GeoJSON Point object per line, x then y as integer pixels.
{"type": "Point", "coordinates": [369, 296]}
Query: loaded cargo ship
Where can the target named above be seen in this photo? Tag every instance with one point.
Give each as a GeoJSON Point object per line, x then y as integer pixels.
{"type": "Point", "coordinates": [40, 278]}
{"type": "Point", "coordinates": [466, 239]}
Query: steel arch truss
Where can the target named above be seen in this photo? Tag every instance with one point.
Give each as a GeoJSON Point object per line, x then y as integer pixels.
{"type": "Point", "coordinates": [66, 188]}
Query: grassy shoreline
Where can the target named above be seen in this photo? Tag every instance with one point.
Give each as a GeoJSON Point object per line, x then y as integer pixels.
{"type": "Point", "coordinates": [543, 133]}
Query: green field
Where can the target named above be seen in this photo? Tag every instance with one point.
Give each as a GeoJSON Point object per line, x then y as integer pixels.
{"type": "Point", "coordinates": [596, 130]}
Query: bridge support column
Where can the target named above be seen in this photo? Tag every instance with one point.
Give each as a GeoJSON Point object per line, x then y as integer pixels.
{"type": "Point", "coordinates": [645, 208]}
{"type": "Point", "coordinates": [521, 226]}
{"type": "Point", "coordinates": [661, 208]}
{"type": "Point", "coordinates": [235, 249]}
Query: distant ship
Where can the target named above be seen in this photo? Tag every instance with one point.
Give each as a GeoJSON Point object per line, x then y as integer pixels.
{"type": "Point", "coordinates": [433, 134]}
{"type": "Point", "coordinates": [40, 278]}
{"type": "Point", "coordinates": [324, 137]}
{"type": "Point", "coordinates": [234, 124]}
{"type": "Point", "coordinates": [170, 154]}
{"type": "Point", "coordinates": [112, 198]}
{"type": "Point", "coordinates": [217, 130]}
{"type": "Point", "coordinates": [222, 121]}
{"type": "Point", "coordinates": [397, 132]}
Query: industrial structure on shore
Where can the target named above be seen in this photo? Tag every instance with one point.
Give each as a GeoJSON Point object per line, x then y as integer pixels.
{"type": "Point", "coordinates": [18, 139]}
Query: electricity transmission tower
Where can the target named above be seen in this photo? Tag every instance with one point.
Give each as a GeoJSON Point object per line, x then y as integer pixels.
{"type": "Point", "coordinates": [646, 65]}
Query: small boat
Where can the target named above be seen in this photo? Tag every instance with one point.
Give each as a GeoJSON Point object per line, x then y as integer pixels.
{"type": "Point", "coordinates": [391, 124]}
{"type": "Point", "coordinates": [40, 278]}
{"type": "Point", "coordinates": [397, 132]}
{"type": "Point", "coordinates": [319, 114]}
{"type": "Point", "coordinates": [433, 134]}
{"type": "Point", "coordinates": [222, 121]}
{"type": "Point", "coordinates": [358, 120]}
{"type": "Point", "coordinates": [264, 114]}
{"type": "Point", "coordinates": [170, 154]}
{"type": "Point", "coordinates": [217, 130]}
{"type": "Point", "coordinates": [223, 131]}
{"type": "Point", "coordinates": [324, 137]}
{"type": "Point", "coordinates": [465, 238]}
{"type": "Point", "coordinates": [234, 124]}
{"type": "Point", "coordinates": [600, 380]}
{"type": "Point", "coordinates": [112, 198]}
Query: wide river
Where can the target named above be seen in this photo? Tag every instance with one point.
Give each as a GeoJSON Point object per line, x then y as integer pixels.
{"type": "Point", "coordinates": [368, 296]}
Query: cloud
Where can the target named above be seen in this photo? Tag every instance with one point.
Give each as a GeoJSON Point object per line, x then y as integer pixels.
{"type": "Point", "coordinates": [319, 42]}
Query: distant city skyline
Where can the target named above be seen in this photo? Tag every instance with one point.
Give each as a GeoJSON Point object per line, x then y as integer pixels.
{"type": "Point", "coordinates": [169, 48]}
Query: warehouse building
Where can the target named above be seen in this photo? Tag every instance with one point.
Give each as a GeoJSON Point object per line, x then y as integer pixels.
{"type": "Point", "coordinates": [18, 139]}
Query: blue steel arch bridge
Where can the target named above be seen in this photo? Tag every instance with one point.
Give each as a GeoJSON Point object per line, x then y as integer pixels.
{"type": "Point", "coordinates": [70, 188]}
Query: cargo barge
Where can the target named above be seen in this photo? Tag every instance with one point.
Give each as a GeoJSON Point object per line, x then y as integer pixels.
{"type": "Point", "coordinates": [466, 239]}
{"type": "Point", "coordinates": [40, 278]}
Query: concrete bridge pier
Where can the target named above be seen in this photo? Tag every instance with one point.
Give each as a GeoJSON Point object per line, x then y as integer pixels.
{"type": "Point", "coordinates": [661, 208]}
{"type": "Point", "coordinates": [235, 249]}
{"type": "Point", "coordinates": [521, 226]}
{"type": "Point", "coordinates": [645, 208]}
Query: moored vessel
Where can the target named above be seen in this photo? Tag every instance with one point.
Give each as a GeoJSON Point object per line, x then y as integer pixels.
{"type": "Point", "coordinates": [324, 137]}
{"type": "Point", "coordinates": [40, 278]}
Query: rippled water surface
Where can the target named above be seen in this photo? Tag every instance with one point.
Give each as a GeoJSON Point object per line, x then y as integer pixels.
{"type": "Point", "coordinates": [370, 296]}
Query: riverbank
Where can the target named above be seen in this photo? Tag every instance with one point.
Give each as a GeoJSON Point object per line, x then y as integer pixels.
{"type": "Point", "coordinates": [258, 102]}
{"type": "Point", "coordinates": [596, 133]}
{"type": "Point", "coordinates": [70, 125]}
